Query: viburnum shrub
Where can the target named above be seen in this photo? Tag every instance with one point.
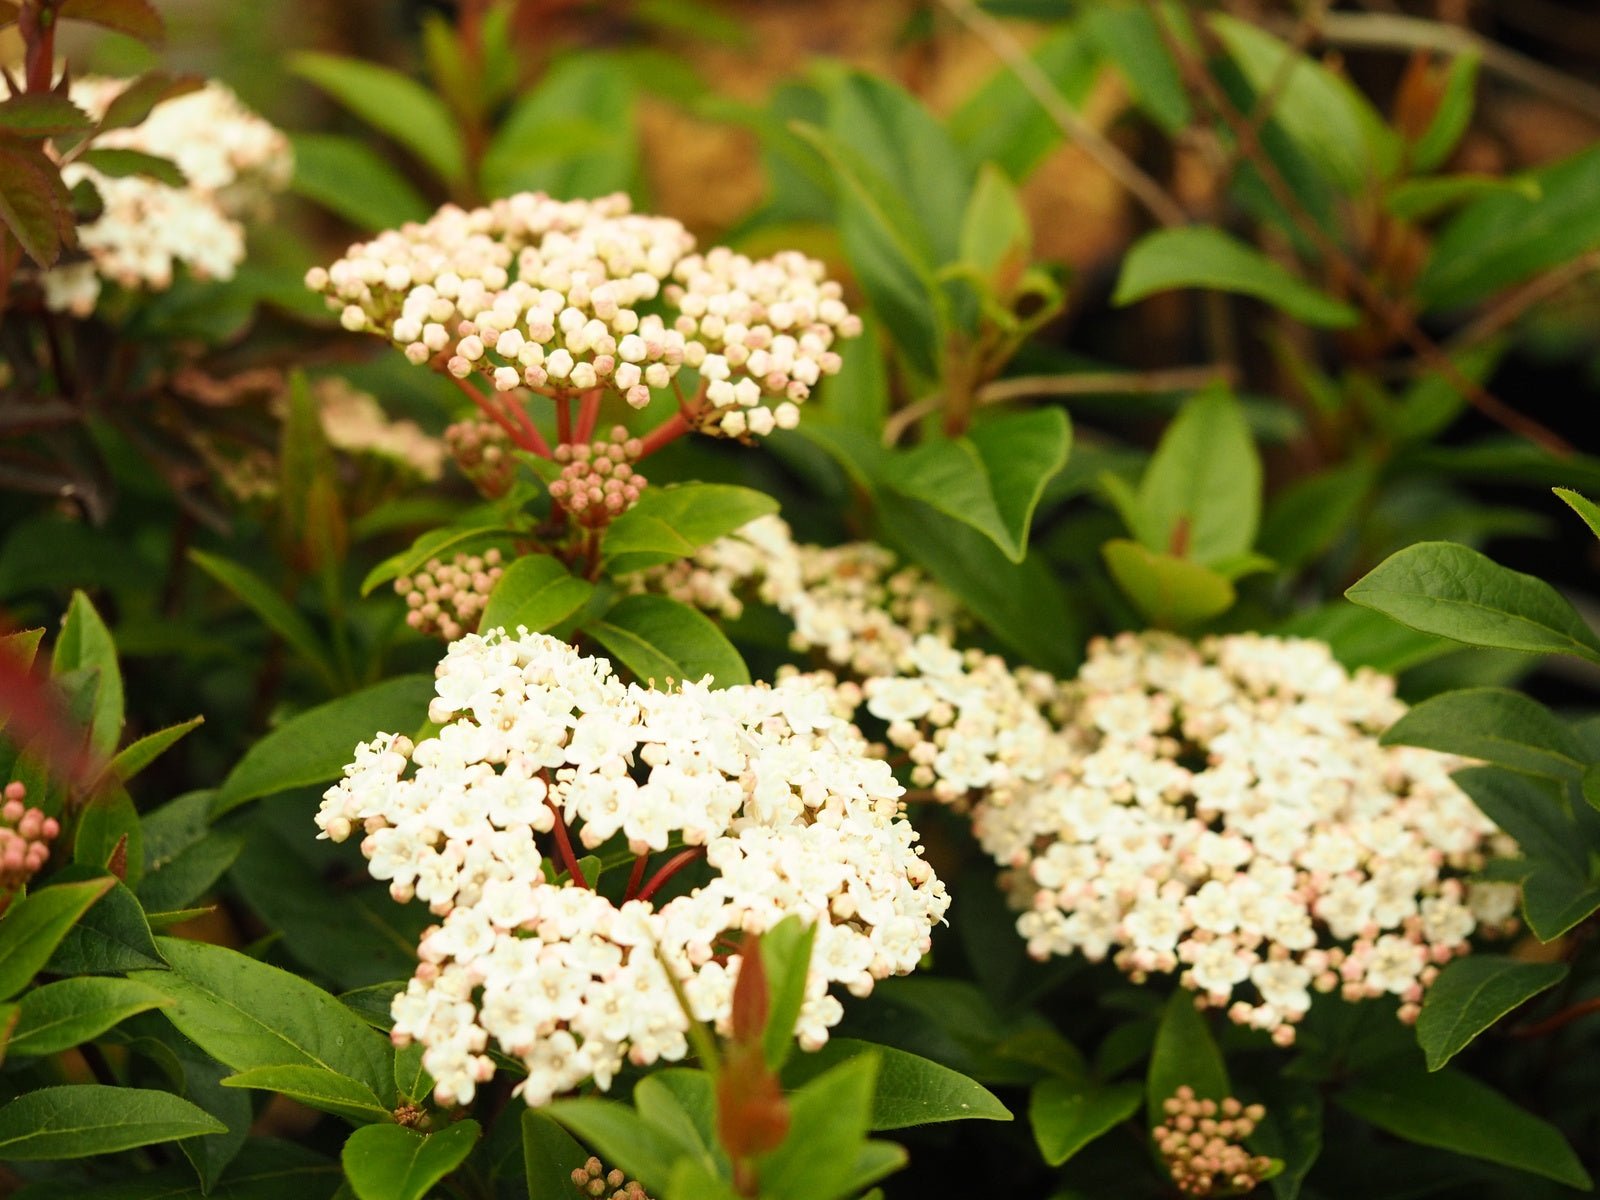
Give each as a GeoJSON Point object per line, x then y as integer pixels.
{"type": "Point", "coordinates": [620, 619]}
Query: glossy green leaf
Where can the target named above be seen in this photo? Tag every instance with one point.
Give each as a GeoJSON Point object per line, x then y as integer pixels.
{"type": "Point", "coordinates": [671, 522]}
{"type": "Point", "coordinates": [1493, 724]}
{"type": "Point", "coordinates": [393, 104]}
{"type": "Point", "coordinates": [279, 615]}
{"type": "Point", "coordinates": [387, 1162]}
{"type": "Point", "coordinates": [69, 1012]}
{"type": "Point", "coordinates": [265, 1169]}
{"type": "Point", "coordinates": [33, 927]}
{"type": "Point", "coordinates": [1583, 506]}
{"type": "Point", "coordinates": [315, 745]}
{"type": "Point", "coordinates": [621, 1137]}
{"type": "Point", "coordinates": [247, 1014]}
{"type": "Point", "coordinates": [112, 937]}
{"type": "Point", "coordinates": [1185, 1055]}
{"type": "Point", "coordinates": [992, 477]}
{"type": "Point", "coordinates": [136, 756]}
{"type": "Point", "coordinates": [1471, 994]}
{"type": "Point", "coordinates": [1203, 257]}
{"type": "Point", "coordinates": [1290, 1132]}
{"type": "Point", "coordinates": [1003, 123]}
{"type": "Point", "coordinates": [316, 1087]}
{"type": "Point", "coordinates": [86, 643]}
{"type": "Point", "coordinates": [1067, 1115]}
{"type": "Point", "coordinates": [828, 1122]}
{"type": "Point", "coordinates": [536, 592]}
{"type": "Point", "coordinates": [682, 1104]}
{"type": "Point", "coordinates": [1171, 592]}
{"type": "Point", "coordinates": [190, 873]}
{"type": "Point", "coordinates": [1452, 116]}
{"type": "Point", "coordinates": [549, 1155]}
{"type": "Point", "coordinates": [786, 951]}
{"type": "Point", "coordinates": [436, 543]}
{"type": "Point", "coordinates": [1200, 495]}
{"type": "Point", "coordinates": [660, 639]}
{"type": "Point", "coordinates": [1453, 591]}
{"type": "Point", "coordinates": [910, 1090]}
{"type": "Point", "coordinates": [351, 179]}
{"type": "Point", "coordinates": [1455, 1112]}
{"type": "Point", "coordinates": [79, 1120]}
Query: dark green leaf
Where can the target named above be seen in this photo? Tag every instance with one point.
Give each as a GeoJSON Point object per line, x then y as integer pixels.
{"type": "Point", "coordinates": [190, 873]}
{"type": "Point", "coordinates": [621, 1137]}
{"type": "Point", "coordinates": [86, 643]}
{"type": "Point", "coordinates": [536, 592]}
{"type": "Point", "coordinates": [34, 202]}
{"type": "Point", "coordinates": [1471, 994]}
{"type": "Point", "coordinates": [659, 639]}
{"type": "Point", "coordinates": [433, 544]}
{"type": "Point", "coordinates": [386, 1162]}
{"type": "Point", "coordinates": [113, 937]}
{"type": "Point", "coordinates": [1203, 257]}
{"type": "Point", "coordinates": [575, 135]}
{"type": "Point", "coordinates": [118, 163]}
{"type": "Point", "coordinates": [264, 1170]}
{"type": "Point", "coordinates": [1493, 724]}
{"type": "Point", "coordinates": [1067, 1116]}
{"type": "Point", "coordinates": [828, 1121]}
{"type": "Point", "coordinates": [69, 1012]}
{"type": "Point", "coordinates": [1304, 519]}
{"type": "Point", "coordinates": [550, 1154]}
{"type": "Point", "coordinates": [133, 758]}
{"type": "Point", "coordinates": [911, 1090]}
{"type": "Point", "coordinates": [1185, 1055]}
{"type": "Point", "coordinates": [318, 1088]}
{"type": "Point", "coordinates": [1130, 39]}
{"type": "Point", "coordinates": [1455, 1112]}
{"type": "Point", "coordinates": [1360, 637]}
{"type": "Point", "coordinates": [34, 926]}
{"type": "Point", "coordinates": [1003, 122]}
{"type": "Point", "coordinates": [41, 114]}
{"type": "Point", "coordinates": [786, 956]}
{"type": "Point", "coordinates": [79, 1120]}
{"type": "Point", "coordinates": [281, 617]}
{"type": "Point", "coordinates": [134, 103]}
{"type": "Point", "coordinates": [671, 522]}
{"type": "Point", "coordinates": [1452, 591]}
{"type": "Point", "coordinates": [351, 179]}
{"type": "Point", "coordinates": [315, 745]}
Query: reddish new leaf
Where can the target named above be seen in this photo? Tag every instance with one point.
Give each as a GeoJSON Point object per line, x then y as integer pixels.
{"type": "Point", "coordinates": [41, 114]}
{"type": "Point", "coordinates": [34, 204]}
{"type": "Point", "coordinates": [136, 18]}
{"type": "Point", "coordinates": [34, 717]}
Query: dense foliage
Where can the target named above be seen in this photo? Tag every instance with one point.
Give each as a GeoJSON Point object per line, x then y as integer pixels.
{"type": "Point", "coordinates": [601, 618]}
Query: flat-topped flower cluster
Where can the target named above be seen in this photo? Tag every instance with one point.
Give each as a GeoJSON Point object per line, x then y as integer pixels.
{"type": "Point", "coordinates": [231, 160]}
{"type": "Point", "coordinates": [1223, 811]}
{"type": "Point", "coordinates": [771, 786]}
{"type": "Point", "coordinates": [569, 296]}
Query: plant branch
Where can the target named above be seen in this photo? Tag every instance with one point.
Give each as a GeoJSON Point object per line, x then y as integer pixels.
{"type": "Point", "coordinates": [1513, 306]}
{"type": "Point", "coordinates": [569, 860]}
{"type": "Point", "coordinates": [1558, 1020]}
{"type": "Point", "coordinates": [1129, 174]}
{"type": "Point", "coordinates": [673, 865]}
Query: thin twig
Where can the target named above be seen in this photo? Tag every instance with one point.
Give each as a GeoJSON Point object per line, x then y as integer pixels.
{"type": "Point", "coordinates": [1146, 190]}
{"type": "Point", "coordinates": [1508, 310]}
{"type": "Point", "coordinates": [1089, 383]}
{"type": "Point", "coordinates": [1558, 1020]}
{"type": "Point", "coordinates": [1391, 314]}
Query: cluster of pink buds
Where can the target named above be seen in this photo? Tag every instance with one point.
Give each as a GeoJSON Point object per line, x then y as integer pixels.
{"type": "Point", "coordinates": [25, 837]}
{"type": "Point", "coordinates": [483, 452]}
{"type": "Point", "coordinates": [598, 483]}
{"type": "Point", "coordinates": [447, 598]}
{"type": "Point", "coordinates": [1201, 1142]}
{"type": "Point", "coordinates": [592, 1179]}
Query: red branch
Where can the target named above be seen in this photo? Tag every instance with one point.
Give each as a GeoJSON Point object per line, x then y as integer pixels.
{"type": "Point", "coordinates": [520, 431]}
{"type": "Point", "coordinates": [673, 865]}
{"type": "Point", "coordinates": [569, 860]}
{"type": "Point", "coordinates": [588, 414]}
{"type": "Point", "coordinates": [669, 430]}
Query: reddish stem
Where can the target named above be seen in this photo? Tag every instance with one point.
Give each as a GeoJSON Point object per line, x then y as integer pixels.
{"type": "Point", "coordinates": [522, 433]}
{"type": "Point", "coordinates": [569, 860]}
{"type": "Point", "coordinates": [564, 418]}
{"type": "Point", "coordinates": [589, 414]}
{"type": "Point", "coordinates": [38, 28]}
{"type": "Point", "coordinates": [636, 877]}
{"type": "Point", "coordinates": [673, 865]}
{"type": "Point", "coordinates": [669, 430]}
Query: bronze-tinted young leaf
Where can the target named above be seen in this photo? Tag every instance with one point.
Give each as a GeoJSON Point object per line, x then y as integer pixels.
{"type": "Point", "coordinates": [41, 114]}
{"type": "Point", "coordinates": [136, 18]}
{"type": "Point", "coordinates": [34, 204]}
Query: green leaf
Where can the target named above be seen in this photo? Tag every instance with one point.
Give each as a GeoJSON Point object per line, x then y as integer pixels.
{"type": "Point", "coordinates": [575, 135]}
{"type": "Point", "coordinates": [992, 477]}
{"type": "Point", "coordinates": [433, 544]}
{"type": "Point", "coordinates": [1203, 257]}
{"type": "Point", "coordinates": [1309, 515]}
{"type": "Point", "coordinates": [1583, 506]}
{"type": "Point", "coordinates": [910, 1090]}
{"type": "Point", "coordinates": [1453, 591]}
{"type": "Point", "coordinates": [828, 1121]}
{"type": "Point", "coordinates": [34, 926]}
{"type": "Point", "coordinates": [1291, 1132]}
{"type": "Point", "coordinates": [315, 745]}
{"type": "Point", "coordinates": [246, 1014]}
{"type": "Point", "coordinates": [786, 951]}
{"type": "Point", "coordinates": [86, 643]}
{"type": "Point", "coordinates": [1502, 239]}
{"type": "Point", "coordinates": [411, 1078]}
{"type": "Point", "coordinates": [671, 522]}
{"type": "Point", "coordinates": [351, 179]}
{"type": "Point", "coordinates": [41, 114]}
{"type": "Point", "coordinates": [1171, 592]}
{"type": "Point", "coordinates": [135, 102]}
{"type": "Point", "coordinates": [318, 1088]}
{"type": "Point", "coordinates": [1003, 122]}
{"type": "Point", "coordinates": [1451, 118]}
{"type": "Point", "coordinates": [190, 873]}
{"type": "Point", "coordinates": [386, 1162]}
{"type": "Point", "coordinates": [683, 1105]}
{"type": "Point", "coordinates": [622, 1138]}
{"type": "Point", "coordinates": [1493, 724]}
{"type": "Point", "coordinates": [1455, 1112]}
{"type": "Point", "coordinates": [549, 1154]}
{"type": "Point", "coordinates": [536, 592]}
{"type": "Point", "coordinates": [34, 202]}
{"type": "Point", "coordinates": [1130, 39]}
{"type": "Point", "coordinates": [1423, 199]}
{"type": "Point", "coordinates": [1328, 119]}
{"type": "Point", "coordinates": [690, 1180]}
{"type": "Point", "coordinates": [112, 937]}
{"type": "Point", "coordinates": [80, 1120]}
{"type": "Point", "coordinates": [135, 757]}
{"type": "Point", "coordinates": [1200, 495]}
{"type": "Point", "coordinates": [1185, 1055]}
{"type": "Point", "coordinates": [280, 616]}
{"type": "Point", "coordinates": [118, 163]}
{"type": "Point", "coordinates": [110, 821]}
{"type": "Point", "coordinates": [1471, 994]}
{"type": "Point", "coordinates": [393, 104]}
{"type": "Point", "coordinates": [996, 236]}
{"type": "Point", "coordinates": [1067, 1115]}
{"type": "Point", "coordinates": [135, 18]}
{"type": "Point", "coordinates": [659, 639]}
{"type": "Point", "coordinates": [69, 1012]}
{"type": "Point", "coordinates": [265, 1169]}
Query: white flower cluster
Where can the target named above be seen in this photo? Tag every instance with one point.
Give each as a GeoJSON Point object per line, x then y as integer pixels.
{"type": "Point", "coordinates": [566, 296]}
{"type": "Point", "coordinates": [775, 789]}
{"type": "Point", "coordinates": [231, 160]}
{"type": "Point", "coordinates": [1225, 811]}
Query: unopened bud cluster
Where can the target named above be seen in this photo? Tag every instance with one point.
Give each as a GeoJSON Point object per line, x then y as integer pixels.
{"type": "Point", "coordinates": [25, 837]}
{"type": "Point", "coordinates": [1201, 1142]}
{"type": "Point", "coordinates": [447, 598]}
{"type": "Point", "coordinates": [231, 161]}
{"type": "Point", "coordinates": [556, 296]}
{"type": "Point", "coordinates": [592, 1179]}
{"type": "Point", "coordinates": [483, 452]}
{"type": "Point", "coordinates": [598, 482]}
